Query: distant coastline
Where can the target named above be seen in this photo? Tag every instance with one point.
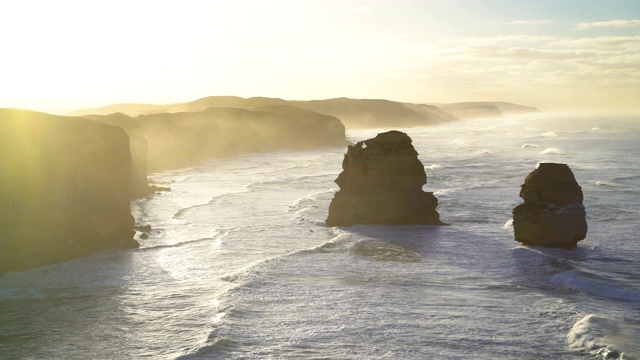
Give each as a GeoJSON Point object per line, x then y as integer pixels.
{"type": "Point", "coordinates": [354, 113]}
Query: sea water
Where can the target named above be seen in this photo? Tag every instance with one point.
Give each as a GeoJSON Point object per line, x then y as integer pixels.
{"type": "Point", "coordinates": [239, 263]}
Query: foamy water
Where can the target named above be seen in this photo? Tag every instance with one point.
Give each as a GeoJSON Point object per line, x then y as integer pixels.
{"type": "Point", "coordinates": [239, 264]}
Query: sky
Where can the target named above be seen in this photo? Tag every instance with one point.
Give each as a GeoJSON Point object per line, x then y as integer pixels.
{"type": "Point", "coordinates": [62, 55]}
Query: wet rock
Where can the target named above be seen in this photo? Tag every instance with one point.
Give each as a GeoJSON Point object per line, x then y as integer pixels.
{"type": "Point", "coordinates": [552, 214]}
{"type": "Point", "coordinates": [381, 183]}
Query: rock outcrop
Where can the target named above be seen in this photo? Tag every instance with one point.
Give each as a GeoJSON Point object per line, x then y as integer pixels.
{"type": "Point", "coordinates": [381, 183]}
{"type": "Point", "coordinates": [64, 189]}
{"type": "Point", "coordinates": [552, 214]}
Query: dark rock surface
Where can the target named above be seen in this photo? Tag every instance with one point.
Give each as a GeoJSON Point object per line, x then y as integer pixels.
{"type": "Point", "coordinates": [552, 214]}
{"type": "Point", "coordinates": [64, 189]}
{"type": "Point", "coordinates": [381, 183]}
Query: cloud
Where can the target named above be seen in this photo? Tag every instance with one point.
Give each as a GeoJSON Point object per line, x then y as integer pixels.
{"type": "Point", "coordinates": [610, 23]}
{"type": "Point", "coordinates": [527, 22]}
{"type": "Point", "coordinates": [562, 42]}
{"type": "Point", "coordinates": [478, 40]}
{"type": "Point", "coordinates": [523, 53]}
{"type": "Point", "coordinates": [609, 41]}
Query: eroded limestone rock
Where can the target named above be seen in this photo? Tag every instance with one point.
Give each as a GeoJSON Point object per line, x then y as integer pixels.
{"type": "Point", "coordinates": [64, 189]}
{"type": "Point", "coordinates": [552, 214]}
{"type": "Point", "coordinates": [381, 183]}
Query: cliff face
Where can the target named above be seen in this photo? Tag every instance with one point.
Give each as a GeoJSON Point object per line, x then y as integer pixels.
{"type": "Point", "coordinates": [187, 138]}
{"type": "Point", "coordinates": [552, 214]}
{"type": "Point", "coordinates": [64, 189]}
{"type": "Point", "coordinates": [139, 186]}
{"type": "Point", "coordinates": [381, 183]}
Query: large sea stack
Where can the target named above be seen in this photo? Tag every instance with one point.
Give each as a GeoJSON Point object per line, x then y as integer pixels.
{"type": "Point", "coordinates": [552, 214]}
{"type": "Point", "coordinates": [381, 183]}
{"type": "Point", "coordinates": [65, 186]}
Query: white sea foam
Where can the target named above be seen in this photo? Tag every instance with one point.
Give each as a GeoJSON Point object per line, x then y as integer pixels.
{"type": "Point", "coordinates": [435, 167]}
{"type": "Point", "coordinates": [608, 183]}
{"type": "Point", "coordinates": [312, 199]}
{"type": "Point", "coordinates": [530, 146]}
{"type": "Point", "coordinates": [552, 151]}
{"type": "Point", "coordinates": [549, 134]}
{"type": "Point", "coordinates": [605, 337]}
{"type": "Point", "coordinates": [445, 192]}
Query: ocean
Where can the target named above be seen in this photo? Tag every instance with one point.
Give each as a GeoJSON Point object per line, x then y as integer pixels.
{"type": "Point", "coordinates": [240, 265]}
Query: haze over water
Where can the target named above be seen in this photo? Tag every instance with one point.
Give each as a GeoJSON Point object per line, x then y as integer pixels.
{"type": "Point", "coordinates": [239, 263]}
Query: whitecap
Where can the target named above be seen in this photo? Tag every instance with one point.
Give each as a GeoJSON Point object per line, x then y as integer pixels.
{"type": "Point", "coordinates": [552, 151]}
{"type": "Point", "coordinates": [508, 225]}
{"type": "Point", "coordinates": [445, 192]}
{"type": "Point", "coordinates": [312, 199]}
{"type": "Point", "coordinates": [605, 337]}
{"type": "Point", "coordinates": [607, 183]}
{"type": "Point", "coordinates": [234, 277]}
{"type": "Point", "coordinates": [530, 146]}
{"type": "Point", "coordinates": [434, 167]}
{"type": "Point", "coordinates": [549, 134]}
{"type": "Point", "coordinates": [595, 129]}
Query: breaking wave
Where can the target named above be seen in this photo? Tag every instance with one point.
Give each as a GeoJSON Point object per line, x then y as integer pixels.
{"type": "Point", "coordinates": [605, 337]}
{"type": "Point", "coordinates": [552, 151]}
{"type": "Point", "coordinates": [435, 167]}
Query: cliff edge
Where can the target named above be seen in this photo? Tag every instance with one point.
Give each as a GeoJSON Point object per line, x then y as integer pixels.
{"type": "Point", "coordinates": [65, 187]}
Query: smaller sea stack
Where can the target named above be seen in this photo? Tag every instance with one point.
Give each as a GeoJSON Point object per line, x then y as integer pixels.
{"type": "Point", "coordinates": [552, 214]}
{"type": "Point", "coordinates": [381, 183]}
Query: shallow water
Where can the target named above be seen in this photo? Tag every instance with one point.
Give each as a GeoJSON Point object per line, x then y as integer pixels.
{"type": "Point", "coordinates": [239, 263]}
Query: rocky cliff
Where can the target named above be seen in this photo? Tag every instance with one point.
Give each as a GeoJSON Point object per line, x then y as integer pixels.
{"type": "Point", "coordinates": [187, 138]}
{"type": "Point", "coordinates": [552, 214]}
{"type": "Point", "coordinates": [64, 189]}
{"type": "Point", "coordinates": [381, 183]}
{"type": "Point", "coordinates": [138, 177]}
